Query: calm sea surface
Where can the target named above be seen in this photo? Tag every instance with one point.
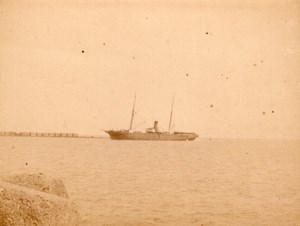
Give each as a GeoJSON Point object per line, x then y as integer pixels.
{"type": "Point", "coordinates": [204, 182]}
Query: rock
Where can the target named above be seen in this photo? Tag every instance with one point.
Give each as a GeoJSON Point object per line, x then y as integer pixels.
{"type": "Point", "coordinates": [39, 182]}
{"type": "Point", "coordinates": [34, 199]}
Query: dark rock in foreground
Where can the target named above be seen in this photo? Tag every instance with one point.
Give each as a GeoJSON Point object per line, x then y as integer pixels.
{"type": "Point", "coordinates": [39, 182]}
{"type": "Point", "coordinates": [34, 199]}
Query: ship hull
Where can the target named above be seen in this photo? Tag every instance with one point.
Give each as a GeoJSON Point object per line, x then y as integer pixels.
{"type": "Point", "coordinates": [177, 136]}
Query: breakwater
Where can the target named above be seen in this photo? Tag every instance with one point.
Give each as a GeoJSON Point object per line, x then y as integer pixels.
{"type": "Point", "coordinates": [39, 134]}
{"type": "Point", "coordinates": [36, 199]}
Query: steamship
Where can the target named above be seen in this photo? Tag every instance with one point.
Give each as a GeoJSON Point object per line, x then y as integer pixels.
{"type": "Point", "coordinates": [152, 133]}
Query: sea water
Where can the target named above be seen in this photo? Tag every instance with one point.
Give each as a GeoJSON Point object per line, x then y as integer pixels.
{"type": "Point", "coordinates": [203, 182]}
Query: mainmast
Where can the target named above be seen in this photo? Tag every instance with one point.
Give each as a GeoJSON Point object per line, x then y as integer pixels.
{"type": "Point", "coordinates": [171, 115]}
{"type": "Point", "coordinates": [132, 113]}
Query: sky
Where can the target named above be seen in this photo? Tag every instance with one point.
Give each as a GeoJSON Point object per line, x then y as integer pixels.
{"type": "Point", "coordinates": [74, 66]}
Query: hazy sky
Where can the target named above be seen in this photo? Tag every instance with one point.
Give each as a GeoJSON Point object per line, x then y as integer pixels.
{"type": "Point", "coordinates": [233, 68]}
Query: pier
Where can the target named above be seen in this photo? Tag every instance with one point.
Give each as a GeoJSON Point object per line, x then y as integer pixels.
{"type": "Point", "coordinates": [42, 134]}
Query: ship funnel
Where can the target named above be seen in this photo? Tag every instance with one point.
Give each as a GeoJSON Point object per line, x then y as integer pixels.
{"type": "Point", "coordinates": [156, 126]}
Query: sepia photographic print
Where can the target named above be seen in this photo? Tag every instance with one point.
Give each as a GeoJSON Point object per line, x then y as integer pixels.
{"type": "Point", "coordinates": [145, 113]}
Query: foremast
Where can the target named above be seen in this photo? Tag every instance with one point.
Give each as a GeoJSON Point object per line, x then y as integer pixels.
{"type": "Point", "coordinates": [132, 113]}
